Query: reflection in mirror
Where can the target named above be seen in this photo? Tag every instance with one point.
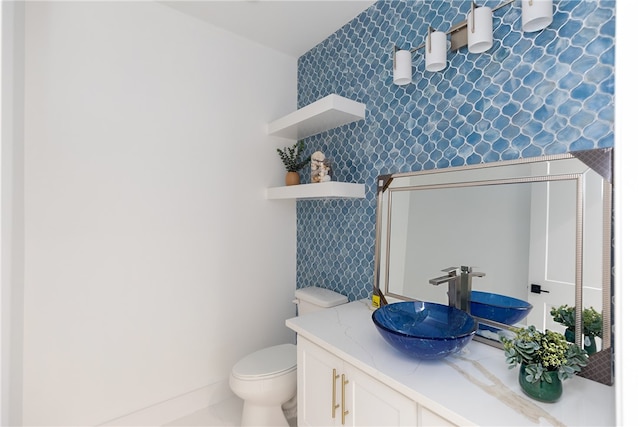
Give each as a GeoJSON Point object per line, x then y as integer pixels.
{"type": "Point", "coordinates": [539, 230]}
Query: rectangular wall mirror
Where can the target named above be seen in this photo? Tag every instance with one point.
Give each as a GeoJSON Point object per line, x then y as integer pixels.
{"type": "Point", "coordinates": [539, 229]}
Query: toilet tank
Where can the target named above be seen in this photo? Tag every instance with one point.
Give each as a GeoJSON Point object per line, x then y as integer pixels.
{"type": "Point", "coordinates": [313, 299]}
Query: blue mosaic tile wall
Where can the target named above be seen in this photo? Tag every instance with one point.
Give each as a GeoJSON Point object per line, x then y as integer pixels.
{"type": "Point", "coordinates": [531, 94]}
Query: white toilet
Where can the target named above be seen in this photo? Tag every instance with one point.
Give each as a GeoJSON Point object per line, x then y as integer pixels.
{"type": "Point", "coordinates": [266, 379]}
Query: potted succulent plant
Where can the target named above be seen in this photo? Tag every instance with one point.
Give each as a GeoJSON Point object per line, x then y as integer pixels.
{"type": "Point", "coordinates": [591, 325]}
{"type": "Point", "coordinates": [293, 161]}
{"type": "Point", "coordinates": [545, 358]}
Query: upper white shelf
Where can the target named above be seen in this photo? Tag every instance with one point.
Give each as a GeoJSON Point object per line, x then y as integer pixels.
{"type": "Point", "coordinates": [320, 190]}
{"type": "Point", "coordinates": [327, 113]}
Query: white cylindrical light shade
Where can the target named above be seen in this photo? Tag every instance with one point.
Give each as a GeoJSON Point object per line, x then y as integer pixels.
{"type": "Point", "coordinates": [435, 51]}
{"type": "Point", "coordinates": [536, 14]}
{"type": "Point", "coordinates": [480, 29]}
{"type": "Point", "coordinates": [402, 67]}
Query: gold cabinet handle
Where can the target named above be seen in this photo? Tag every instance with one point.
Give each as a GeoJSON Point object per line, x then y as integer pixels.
{"type": "Point", "coordinates": [334, 377]}
{"type": "Point", "coordinates": [344, 412]}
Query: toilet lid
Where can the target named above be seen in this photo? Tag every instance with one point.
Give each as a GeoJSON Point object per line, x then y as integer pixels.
{"type": "Point", "coordinates": [269, 361]}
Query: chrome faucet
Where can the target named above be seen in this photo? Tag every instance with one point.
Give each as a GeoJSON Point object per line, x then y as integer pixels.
{"type": "Point", "coordinates": [452, 279]}
{"type": "Point", "coordinates": [459, 286]}
{"type": "Point", "coordinates": [464, 292]}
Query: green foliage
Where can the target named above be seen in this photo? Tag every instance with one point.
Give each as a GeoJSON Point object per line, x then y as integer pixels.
{"type": "Point", "coordinates": [542, 353]}
{"type": "Point", "coordinates": [292, 157]}
{"type": "Point", "coordinates": [591, 319]}
{"type": "Point", "coordinates": [564, 315]}
{"type": "Point", "coordinates": [592, 322]}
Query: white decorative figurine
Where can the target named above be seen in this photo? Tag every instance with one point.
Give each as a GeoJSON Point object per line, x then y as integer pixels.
{"type": "Point", "coordinates": [319, 168]}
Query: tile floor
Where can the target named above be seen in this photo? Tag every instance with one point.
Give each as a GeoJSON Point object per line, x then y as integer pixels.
{"type": "Point", "coordinates": [224, 414]}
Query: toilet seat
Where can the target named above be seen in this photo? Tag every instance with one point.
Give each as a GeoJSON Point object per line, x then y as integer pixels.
{"type": "Point", "coordinates": [266, 363]}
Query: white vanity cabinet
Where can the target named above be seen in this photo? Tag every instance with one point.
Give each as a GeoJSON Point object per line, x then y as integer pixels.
{"type": "Point", "coordinates": [383, 387]}
{"type": "Point", "coordinates": [427, 418]}
{"type": "Point", "coordinates": [331, 392]}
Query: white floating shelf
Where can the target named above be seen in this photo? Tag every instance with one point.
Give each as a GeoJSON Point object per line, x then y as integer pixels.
{"type": "Point", "coordinates": [320, 190]}
{"type": "Point", "coordinates": [327, 113]}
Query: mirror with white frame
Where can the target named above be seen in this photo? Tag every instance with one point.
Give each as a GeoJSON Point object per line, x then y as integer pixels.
{"type": "Point", "coordinates": [539, 229]}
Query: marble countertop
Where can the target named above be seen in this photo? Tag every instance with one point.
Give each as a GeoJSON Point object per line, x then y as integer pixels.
{"type": "Point", "coordinates": [473, 387]}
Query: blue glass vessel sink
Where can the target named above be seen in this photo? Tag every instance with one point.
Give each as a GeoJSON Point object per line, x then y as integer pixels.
{"type": "Point", "coordinates": [424, 330]}
{"type": "Point", "coordinates": [499, 308]}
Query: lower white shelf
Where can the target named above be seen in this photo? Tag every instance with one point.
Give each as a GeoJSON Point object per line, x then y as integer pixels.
{"type": "Point", "coordinates": [320, 190]}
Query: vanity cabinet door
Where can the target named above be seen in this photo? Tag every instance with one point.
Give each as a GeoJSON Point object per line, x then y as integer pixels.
{"type": "Point", "coordinates": [332, 392]}
{"type": "Point", "coordinates": [319, 385]}
{"type": "Point", "coordinates": [372, 403]}
{"type": "Point", "coordinates": [427, 418]}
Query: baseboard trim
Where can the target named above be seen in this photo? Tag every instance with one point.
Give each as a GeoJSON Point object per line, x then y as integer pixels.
{"type": "Point", "coordinates": [166, 411]}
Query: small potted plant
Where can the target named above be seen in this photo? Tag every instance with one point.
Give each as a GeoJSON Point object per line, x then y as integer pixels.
{"type": "Point", "coordinates": [591, 325]}
{"type": "Point", "coordinates": [546, 359]}
{"type": "Point", "coordinates": [293, 161]}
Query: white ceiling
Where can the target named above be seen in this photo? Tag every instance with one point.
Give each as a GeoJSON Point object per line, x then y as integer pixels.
{"type": "Point", "coordinates": [292, 27]}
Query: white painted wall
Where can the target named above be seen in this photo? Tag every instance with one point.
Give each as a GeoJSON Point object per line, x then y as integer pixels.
{"type": "Point", "coordinates": [627, 212]}
{"type": "Point", "coordinates": [11, 214]}
{"type": "Point", "coordinates": [152, 260]}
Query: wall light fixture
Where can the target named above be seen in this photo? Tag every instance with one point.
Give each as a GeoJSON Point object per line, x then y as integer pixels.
{"type": "Point", "coordinates": [402, 67]}
{"type": "Point", "coordinates": [479, 29]}
{"type": "Point", "coordinates": [476, 33]}
{"type": "Point", "coordinates": [536, 15]}
{"type": "Point", "coordinates": [435, 50]}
